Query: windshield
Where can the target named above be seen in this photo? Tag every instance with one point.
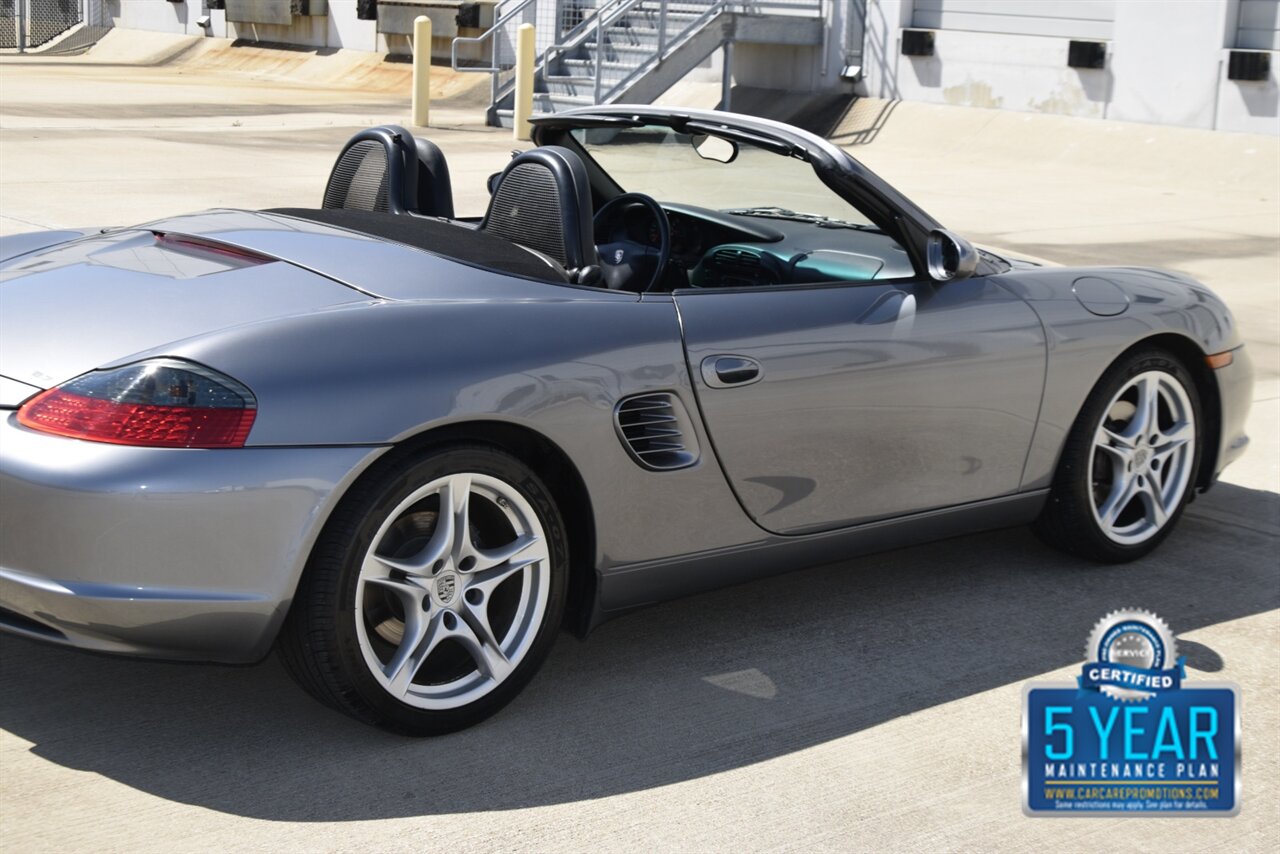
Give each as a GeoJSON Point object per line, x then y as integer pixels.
{"type": "Point", "coordinates": [710, 172]}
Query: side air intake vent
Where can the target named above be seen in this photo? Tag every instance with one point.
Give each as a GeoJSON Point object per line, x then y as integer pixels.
{"type": "Point", "coordinates": [656, 430]}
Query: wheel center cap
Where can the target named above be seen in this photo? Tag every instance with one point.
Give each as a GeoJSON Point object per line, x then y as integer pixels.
{"type": "Point", "coordinates": [1141, 458]}
{"type": "Point", "coordinates": [446, 587]}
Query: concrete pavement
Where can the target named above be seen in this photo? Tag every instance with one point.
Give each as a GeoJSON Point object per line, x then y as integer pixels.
{"type": "Point", "coordinates": [867, 706]}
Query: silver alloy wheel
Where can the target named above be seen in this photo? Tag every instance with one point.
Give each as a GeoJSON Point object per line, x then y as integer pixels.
{"type": "Point", "coordinates": [452, 592]}
{"type": "Point", "coordinates": [1143, 452]}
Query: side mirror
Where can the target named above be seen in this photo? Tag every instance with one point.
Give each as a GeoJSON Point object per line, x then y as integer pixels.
{"type": "Point", "coordinates": [950, 256]}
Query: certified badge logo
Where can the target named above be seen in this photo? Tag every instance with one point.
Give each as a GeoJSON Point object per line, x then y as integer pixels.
{"type": "Point", "coordinates": [1127, 655]}
{"type": "Point", "coordinates": [1130, 737]}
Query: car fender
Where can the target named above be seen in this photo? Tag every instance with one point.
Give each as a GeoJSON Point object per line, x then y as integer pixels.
{"type": "Point", "coordinates": [386, 373]}
{"type": "Point", "coordinates": [1092, 316]}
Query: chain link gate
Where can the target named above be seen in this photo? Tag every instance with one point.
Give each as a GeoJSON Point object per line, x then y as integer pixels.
{"type": "Point", "coordinates": [29, 24]}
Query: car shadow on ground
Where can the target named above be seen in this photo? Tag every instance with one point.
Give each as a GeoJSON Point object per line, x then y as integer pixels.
{"type": "Point", "coordinates": [672, 693]}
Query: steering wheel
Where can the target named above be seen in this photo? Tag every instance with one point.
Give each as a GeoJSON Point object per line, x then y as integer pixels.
{"type": "Point", "coordinates": [626, 262]}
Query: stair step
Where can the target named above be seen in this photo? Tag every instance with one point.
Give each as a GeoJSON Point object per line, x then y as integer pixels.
{"type": "Point", "coordinates": [614, 47]}
{"type": "Point", "coordinates": [567, 100]}
{"type": "Point", "coordinates": [571, 90]}
{"type": "Point", "coordinates": [652, 20]}
{"type": "Point", "coordinates": [652, 17]}
{"type": "Point", "coordinates": [587, 67]}
{"type": "Point", "coordinates": [619, 53]}
{"type": "Point", "coordinates": [631, 32]}
{"type": "Point", "coordinates": [682, 10]}
{"type": "Point", "coordinates": [571, 79]}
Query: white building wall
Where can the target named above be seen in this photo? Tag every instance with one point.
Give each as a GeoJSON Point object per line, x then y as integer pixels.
{"type": "Point", "coordinates": [348, 31]}
{"type": "Point", "coordinates": [1018, 73]}
{"type": "Point", "coordinates": [1166, 65]}
{"type": "Point", "coordinates": [773, 66]}
{"type": "Point", "coordinates": [1258, 25]}
{"type": "Point", "coordinates": [802, 68]}
{"type": "Point", "coordinates": [1077, 19]}
{"type": "Point", "coordinates": [1166, 61]}
{"type": "Point", "coordinates": [157, 15]}
{"type": "Point", "coordinates": [340, 28]}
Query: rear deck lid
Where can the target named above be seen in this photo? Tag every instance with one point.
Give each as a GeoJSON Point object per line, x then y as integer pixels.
{"type": "Point", "coordinates": [79, 305]}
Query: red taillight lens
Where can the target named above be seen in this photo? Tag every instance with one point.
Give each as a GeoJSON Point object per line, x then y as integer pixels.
{"type": "Point", "coordinates": [161, 403]}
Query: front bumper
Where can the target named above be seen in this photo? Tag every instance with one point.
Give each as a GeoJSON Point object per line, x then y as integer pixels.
{"type": "Point", "coordinates": [184, 554]}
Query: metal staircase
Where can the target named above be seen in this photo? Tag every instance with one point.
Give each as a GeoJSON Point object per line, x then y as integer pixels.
{"type": "Point", "coordinates": [603, 51]}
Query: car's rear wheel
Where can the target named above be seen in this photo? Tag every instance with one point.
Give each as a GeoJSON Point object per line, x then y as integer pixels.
{"type": "Point", "coordinates": [1129, 463]}
{"type": "Point", "coordinates": [434, 593]}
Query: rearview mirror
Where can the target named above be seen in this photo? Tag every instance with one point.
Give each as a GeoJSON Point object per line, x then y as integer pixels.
{"type": "Point", "coordinates": [714, 148]}
{"type": "Point", "coordinates": [950, 256]}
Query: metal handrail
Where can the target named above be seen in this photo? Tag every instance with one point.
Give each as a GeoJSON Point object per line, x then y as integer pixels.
{"type": "Point", "coordinates": [578, 34]}
{"type": "Point", "coordinates": [607, 14]}
{"type": "Point", "coordinates": [493, 69]}
{"type": "Point", "coordinates": [664, 48]}
{"type": "Point", "coordinates": [485, 36]}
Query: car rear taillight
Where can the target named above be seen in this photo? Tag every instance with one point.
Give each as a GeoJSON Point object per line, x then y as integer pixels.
{"type": "Point", "coordinates": [159, 403]}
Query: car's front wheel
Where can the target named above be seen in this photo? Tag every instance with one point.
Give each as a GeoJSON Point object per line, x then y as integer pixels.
{"type": "Point", "coordinates": [1129, 463]}
{"type": "Point", "coordinates": [434, 593]}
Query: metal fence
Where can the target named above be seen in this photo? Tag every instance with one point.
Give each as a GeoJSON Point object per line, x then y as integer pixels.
{"type": "Point", "coordinates": [30, 24]}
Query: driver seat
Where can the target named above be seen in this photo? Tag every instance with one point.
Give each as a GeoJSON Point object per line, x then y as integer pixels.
{"type": "Point", "coordinates": [385, 169]}
{"type": "Point", "coordinates": [542, 201]}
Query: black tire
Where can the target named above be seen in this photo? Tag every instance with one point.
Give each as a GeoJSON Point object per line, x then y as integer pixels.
{"type": "Point", "coordinates": [1067, 521]}
{"type": "Point", "coordinates": [320, 643]}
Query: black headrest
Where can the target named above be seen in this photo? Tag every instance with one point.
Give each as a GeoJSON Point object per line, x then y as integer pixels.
{"type": "Point", "coordinates": [385, 169]}
{"type": "Point", "coordinates": [543, 201]}
{"type": "Point", "coordinates": [376, 171]}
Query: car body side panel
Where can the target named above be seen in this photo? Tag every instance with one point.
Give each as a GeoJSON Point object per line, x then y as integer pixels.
{"type": "Point", "coordinates": [1082, 345]}
{"type": "Point", "coordinates": [874, 400]}
{"type": "Point", "coordinates": [387, 372]}
{"type": "Point", "coordinates": [626, 587]}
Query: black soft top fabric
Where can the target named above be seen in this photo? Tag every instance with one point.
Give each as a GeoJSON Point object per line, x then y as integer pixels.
{"type": "Point", "coordinates": [437, 236]}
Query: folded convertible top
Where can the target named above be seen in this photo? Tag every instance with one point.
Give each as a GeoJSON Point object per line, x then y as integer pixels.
{"type": "Point", "coordinates": [437, 236]}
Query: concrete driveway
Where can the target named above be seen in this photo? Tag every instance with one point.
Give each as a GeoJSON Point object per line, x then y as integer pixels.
{"type": "Point", "coordinates": [863, 706]}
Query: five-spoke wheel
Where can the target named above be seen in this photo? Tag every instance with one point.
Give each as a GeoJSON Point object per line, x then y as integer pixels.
{"type": "Point", "coordinates": [1129, 464]}
{"type": "Point", "coordinates": [452, 591]}
{"type": "Point", "coordinates": [1143, 454]}
{"type": "Point", "coordinates": [434, 595]}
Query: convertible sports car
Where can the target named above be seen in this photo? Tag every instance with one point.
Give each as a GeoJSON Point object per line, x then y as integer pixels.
{"type": "Point", "coordinates": [681, 349]}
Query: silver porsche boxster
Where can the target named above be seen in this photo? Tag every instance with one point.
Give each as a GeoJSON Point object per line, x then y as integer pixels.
{"type": "Point", "coordinates": [681, 349]}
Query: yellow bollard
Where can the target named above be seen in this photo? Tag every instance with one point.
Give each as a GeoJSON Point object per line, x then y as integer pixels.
{"type": "Point", "coordinates": [421, 70]}
{"type": "Point", "coordinates": [525, 50]}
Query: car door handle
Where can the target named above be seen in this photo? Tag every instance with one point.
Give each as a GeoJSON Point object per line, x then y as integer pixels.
{"type": "Point", "coordinates": [725, 371]}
